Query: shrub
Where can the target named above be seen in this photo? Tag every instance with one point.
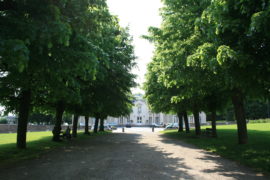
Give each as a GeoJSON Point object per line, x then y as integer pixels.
{"type": "Point", "coordinates": [3, 121]}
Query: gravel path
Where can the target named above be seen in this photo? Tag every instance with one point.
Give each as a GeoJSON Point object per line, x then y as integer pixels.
{"type": "Point", "coordinates": [141, 155]}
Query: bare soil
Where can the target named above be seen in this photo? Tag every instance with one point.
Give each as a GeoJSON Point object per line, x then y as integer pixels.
{"type": "Point", "coordinates": [133, 155]}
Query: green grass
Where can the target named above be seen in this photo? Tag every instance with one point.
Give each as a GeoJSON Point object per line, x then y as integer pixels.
{"type": "Point", "coordinates": [37, 144]}
{"type": "Point", "coordinates": [260, 121]}
{"type": "Point", "coordinates": [255, 154]}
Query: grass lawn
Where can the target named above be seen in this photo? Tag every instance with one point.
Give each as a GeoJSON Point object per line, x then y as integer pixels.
{"type": "Point", "coordinates": [255, 154]}
{"type": "Point", "coordinates": [37, 143]}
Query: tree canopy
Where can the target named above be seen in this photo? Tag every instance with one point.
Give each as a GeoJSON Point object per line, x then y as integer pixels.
{"type": "Point", "coordinates": [63, 56]}
{"type": "Point", "coordinates": [208, 53]}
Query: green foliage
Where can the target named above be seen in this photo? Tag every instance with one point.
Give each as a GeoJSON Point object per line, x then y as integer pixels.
{"type": "Point", "coordinates": [177, 79]}
{"type": "Point", "coordinates": [72, 53]}
{"type": "Point", "coordinates": [256, 109]}
{"type": "Point", "coordinates": [16, 53]}
{"type": "Point", "coordinates": [67, 118]}
{"type": "Point", "coordinates": [230, 114]}
{"type": "Point", "coordinates": [41, 118]}
{"type": "Point", "coordinates": [3, 121]}
{"type": "Point", "coordinates": [236, 24]}
{"type": "Point", "coordinates": [209, 52]}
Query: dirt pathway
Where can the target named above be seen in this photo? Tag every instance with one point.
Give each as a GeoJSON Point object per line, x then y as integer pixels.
{"type": "Point", "coordinates": [142, 155]}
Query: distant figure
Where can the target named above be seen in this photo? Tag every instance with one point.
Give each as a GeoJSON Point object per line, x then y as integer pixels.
{"type": "Point", "coordinates": [67, 133]}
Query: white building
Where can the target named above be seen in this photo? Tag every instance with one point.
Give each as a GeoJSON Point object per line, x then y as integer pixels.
{"type": "Point", "coordinates": [142, 116]}
{"type": "Point", "coordinates": [202, 117]}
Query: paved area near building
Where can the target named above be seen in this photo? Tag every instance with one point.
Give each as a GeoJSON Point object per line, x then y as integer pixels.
{"type": "Point", "coordinates": [135, 154]}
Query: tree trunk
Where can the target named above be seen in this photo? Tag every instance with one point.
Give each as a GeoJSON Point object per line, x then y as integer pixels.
{"type": "Point", "coordinates": [101, 128]}
{"type": "Point", "coordinates": [58, 121]}
{"type": "Point", "coordinates": [180, 122]}
{"type": "Point", "coordinates": [24, 110]}
{"type": "Point", "coordinates": [197, 122]}
{"type": "Point", "coordinates": [96, 125]}
{"type": "Point", "coordinates": [86, 127]}
{"type": "Point", "coordinates": [213, 120]}
{"type": "Point", "coordinates": [238, 103]}
{"type": "Point", "coordinates": [75, 125]}
{"type": "Point", "coordinates": [268, 108]}
{"type": "Point", "coordinates": [186, 121]}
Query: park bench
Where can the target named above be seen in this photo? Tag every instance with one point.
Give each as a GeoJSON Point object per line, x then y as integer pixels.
{"type": "Point", "coordinates": [208, 132]}
{"type": "Point", "coordinates": [63, 135]}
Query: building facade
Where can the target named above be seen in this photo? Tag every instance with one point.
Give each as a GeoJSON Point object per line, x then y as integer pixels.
{"type": "Point", "coordinates": [141, 115]}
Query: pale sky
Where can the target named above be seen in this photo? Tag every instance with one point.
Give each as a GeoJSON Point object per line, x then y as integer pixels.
{"type": "Point", "coordinates": [139, 15]}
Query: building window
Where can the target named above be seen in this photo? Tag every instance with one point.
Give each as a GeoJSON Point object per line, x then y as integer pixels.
{"type": "Point", "coordinates": [139, 119]}
{"type": "Point", "coordinates": [157, 120]}
{"type": "Point", "coordinates": [175, 119]}
{"type": "Point", "coordinates": [150, 120]}
{"type": "Point", "coordinates": [191, 119]}
{"type": "Point", "coordinates": [121, 120]}
{"type": "Point", "coordinates": [139, 108]}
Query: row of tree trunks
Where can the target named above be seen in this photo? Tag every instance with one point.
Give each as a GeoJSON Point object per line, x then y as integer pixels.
{"type": "Point", "coordinates": [183, 116]}
{"type": "Point", "coordinates": [25, 102]}
{"type": "Point", "coordinates": [24, 110]}
{"type": "Point", "coordinates": [86, 128]}
{"type": "Point", "coordinates": [57, 128]}
{"type": "Point", "coordinates": [238, 103]}
{"type": "Point", "coordinates": [58, 121]}
{"type": "Point", "coordinates": [75, 125]}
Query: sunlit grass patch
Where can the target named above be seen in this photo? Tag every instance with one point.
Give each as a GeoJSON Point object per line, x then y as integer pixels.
{"type": "Point", "coordinates": [37, 143]}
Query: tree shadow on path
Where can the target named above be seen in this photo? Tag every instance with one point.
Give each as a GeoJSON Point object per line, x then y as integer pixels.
{"type": "Point", "coordinates": [116, 156]}
{"type": "Point", "coordinates": [222, 166]}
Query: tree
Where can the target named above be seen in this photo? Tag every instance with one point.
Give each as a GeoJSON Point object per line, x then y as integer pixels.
{"type": "Point", "coordinates": [111, 88]}
{"type": "Point", "coordinates": [81, 58]}
{"type": "Point", "coordinates": [26, 37]}
{"type": "Point", "coordinates": [175, 41]}
{"type": "Point", "coordinates": [159, 97]}
{"type": "Point", "coordinates": [180, 123]}
{"type": "Point", "coordinates": [229, 27]}
{"type": "Point", "coordinates": [75, 125]}
{"type": "Point", "coordinates": [86, 126]}
{"type": "Point", "coordinates": [204, 50]}
{"type": "Point", "coordinates": [53, 54]}
{"type": "Point", "coordinates": [109, 92]}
